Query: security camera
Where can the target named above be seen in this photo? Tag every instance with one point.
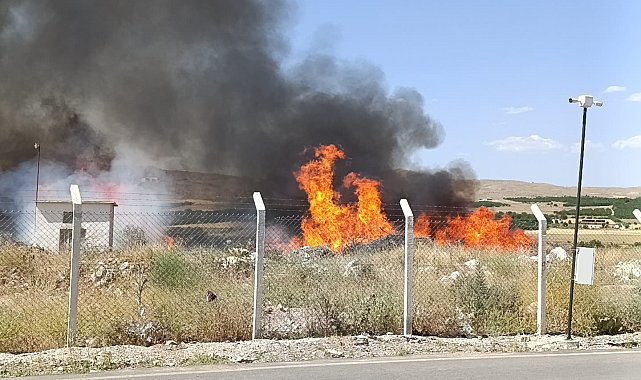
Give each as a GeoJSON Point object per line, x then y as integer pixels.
{"type": "Point", "coordinates": [586, 101]}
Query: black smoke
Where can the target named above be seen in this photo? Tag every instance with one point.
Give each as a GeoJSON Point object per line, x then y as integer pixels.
{"type": "Point", "coordinates": [201, 85]}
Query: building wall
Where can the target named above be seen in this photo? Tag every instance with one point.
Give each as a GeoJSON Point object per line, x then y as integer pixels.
{"type": "Point", "coordinates": [97, 223]}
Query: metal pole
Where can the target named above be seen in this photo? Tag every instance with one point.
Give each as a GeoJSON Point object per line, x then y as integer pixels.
{"type": "Point", "coordinates": [409, 258]}
{"type": "Point", "coordinates": [541, 303]}
{"type": "Point", "coordinates": [74, 277]}
{"type": "Point", "coordinates": [258, 270]}
{"type": "Point", "coordinates": [576, 225]}
{"type": "Point", "coordinates": [35, 207]}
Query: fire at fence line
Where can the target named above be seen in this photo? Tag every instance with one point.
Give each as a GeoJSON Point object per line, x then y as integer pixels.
{"type": "Point", "coordinates": [329, 222]}
{"type": "Point", "coordinates": [339, 226]}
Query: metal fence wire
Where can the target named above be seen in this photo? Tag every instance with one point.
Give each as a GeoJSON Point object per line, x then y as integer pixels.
{"type": "Point", "coordinates": [188, 276]}
{"type": "Point", "coordinates": [144, 278]}
{"type": "Point", "coordinates": [612, 304]}
{"type": "Point", "coordinates": [34, 281]}
{"type": "Point", "coordinates": [314, 291]}
{"type": "Point", "coordinates": [474, 275]}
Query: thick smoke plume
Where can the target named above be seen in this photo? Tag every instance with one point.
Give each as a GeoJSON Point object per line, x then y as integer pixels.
{"type": "Point", "coordinates": [201, 85]}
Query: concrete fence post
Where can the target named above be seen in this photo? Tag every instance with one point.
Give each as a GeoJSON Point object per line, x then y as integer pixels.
{"type": "Point", "coordinates": [409, 257]}
{"type": "Point", "coordinates": [258, 270]}
{"type": "Point", "coordinates": [542, 248]}
{"type": "Point", "coordinates": [76, 237]}
{"type": "Point", "coordinates": [637, 214]}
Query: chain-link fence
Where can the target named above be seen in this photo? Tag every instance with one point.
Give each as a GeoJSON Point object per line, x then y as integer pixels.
{"type": "Point", "coordinates": [612, 304]}
{"type": "Point", "coordinates": [33, 283]}
{"type": "Point", "coordinates": [314, 291]}
{"type": "Point", "coordinates": [188, 276]}
{"type": "Point", "coordinates": [473, 275]}
{"type": "Point", "coordinates": [144, 277]}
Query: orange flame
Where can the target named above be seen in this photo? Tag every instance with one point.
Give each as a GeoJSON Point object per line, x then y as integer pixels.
{"type": "Point", "coordinates": [422, 228]}
{"type": "Point", "coordinates": [330, 223]}
{"type": "Point", "coordinates": [170, 241]}
{"type": "Point", "coordinates": [339, 226]}
{"type": "Point", "coordinates": [481, 230]}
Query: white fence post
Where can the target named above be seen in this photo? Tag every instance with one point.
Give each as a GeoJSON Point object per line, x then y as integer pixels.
{"type": "Point", "coordinates": [637, 214]}
{"type": "Point", "coordinates": [409, 255]}
{"type": "Point", "coordinates": [542, 248]}
{"type": "Point", "coordinates": [258, 271]}
{"type": "Point", "coordinates": [76, 236]}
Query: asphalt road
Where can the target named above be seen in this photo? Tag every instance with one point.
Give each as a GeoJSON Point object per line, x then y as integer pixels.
{"type": "Point", "coordinates": [582, 365]}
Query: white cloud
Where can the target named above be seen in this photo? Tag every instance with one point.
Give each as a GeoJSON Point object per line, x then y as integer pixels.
{"type": "Point", "coordinates": [636, 97]}
{"type": "Point", "coordinates": [633, 142]}
{"type": "Point", "coordinates": [589, 145]}
{"type": "Point", "coordinates": [524, 144]}
{"type": "Point", "coordinates": [614, 89]}
{"type": "Point", "coordinates": [517, 110]}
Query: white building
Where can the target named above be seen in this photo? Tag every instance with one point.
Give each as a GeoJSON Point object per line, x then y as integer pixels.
{"type": "Point", "coordinates": [54, 224]}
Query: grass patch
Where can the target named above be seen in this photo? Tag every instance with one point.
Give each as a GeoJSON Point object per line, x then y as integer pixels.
{"type": "Point", "coordinates": [202, 360]}
{"type": "Point", "coordinates": [150, 294]}
{"type": "Point", "coordinates": [171, 269]}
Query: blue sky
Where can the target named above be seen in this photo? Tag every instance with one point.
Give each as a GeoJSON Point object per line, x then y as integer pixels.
{"type": "Point", "coordinates": [497, 75]}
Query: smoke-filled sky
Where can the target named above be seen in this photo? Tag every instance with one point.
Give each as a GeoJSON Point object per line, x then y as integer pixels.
{"type": "Point", "coordinates": [201, 85]}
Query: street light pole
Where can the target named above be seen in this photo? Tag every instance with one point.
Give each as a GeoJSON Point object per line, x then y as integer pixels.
{"type": "Point", "coordinates": [585, 101]}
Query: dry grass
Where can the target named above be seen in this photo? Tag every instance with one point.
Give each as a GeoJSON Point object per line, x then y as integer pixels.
{"type": "Point", "coordinates": [608, 237]}
{"type": "Point", "coordinates": [161, 294]}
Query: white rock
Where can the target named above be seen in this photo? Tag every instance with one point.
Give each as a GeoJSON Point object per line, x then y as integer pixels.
{"type": "Point", "coordinates": [234, 262]}
{"type": "Point", "coordinates": [449, 280]}
{"type": "Point", "coordinates": [361, 340]}
{"type": "Point", "coordinates": [100, 272]}
{"type": "Point", "coordinates": [333, 353]}
{"type": "Point", "coordinates": [353, 268]}
{"type": "Point", "coordinates": [472, 264]}
{"type": "Point", "coordinates": [558, 254]}
{"type": "Point", "coordinates": [628, 271]}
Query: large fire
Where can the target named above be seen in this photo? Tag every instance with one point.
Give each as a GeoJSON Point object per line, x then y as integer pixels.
{"type": "Point", "coordinates": [330, 223]}
{"type": "Point", "coordinates": [338, 226]}
{"type": "Point", "coordinates": [480, 229]}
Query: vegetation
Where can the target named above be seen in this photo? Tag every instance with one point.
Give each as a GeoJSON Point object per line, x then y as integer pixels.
{"type": "Point", "coordinates": [149, 294]}
{"type": "Point", "coordinates": [594, 243]}
{"type": "Point", "coordinates": [596, 212]}
{"type": "Point", "coordinates": [478, 204]}
{"type": "Point", "coordinates": [523, 220]}
{"type": "Point", "coordinates": [622, 207]}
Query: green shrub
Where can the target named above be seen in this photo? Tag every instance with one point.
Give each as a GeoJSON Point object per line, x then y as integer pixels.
{"type": "Point", "coordinates": [172, 269]}
{"type": "Point", "coordinates": [594, 243]}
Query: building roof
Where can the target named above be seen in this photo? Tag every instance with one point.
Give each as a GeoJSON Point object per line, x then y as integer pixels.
{"type": "Point", "coordinates": [112, 203]}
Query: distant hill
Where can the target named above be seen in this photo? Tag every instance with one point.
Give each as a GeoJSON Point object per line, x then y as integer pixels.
{"type": "Point", "coordinates": [196, 187]}
{"type": "Point", "coordinates": [499, 189]}
{"type": "Point", "coordinates": [209, 186]}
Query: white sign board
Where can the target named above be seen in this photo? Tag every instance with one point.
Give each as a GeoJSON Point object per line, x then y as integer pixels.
{"type": "Point", "coordinates": [584, 273]}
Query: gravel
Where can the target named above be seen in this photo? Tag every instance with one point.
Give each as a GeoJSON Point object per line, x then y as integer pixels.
{"type": "Point", "coordinates": [85, 359]}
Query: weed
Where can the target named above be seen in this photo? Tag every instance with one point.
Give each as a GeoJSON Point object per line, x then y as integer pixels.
{"type": "Point", "coordinates": [172, 270]}
{"type": "Point", "coordinates": [202, 360]}
{"type": "Point", "coordinates": [334, 294]}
